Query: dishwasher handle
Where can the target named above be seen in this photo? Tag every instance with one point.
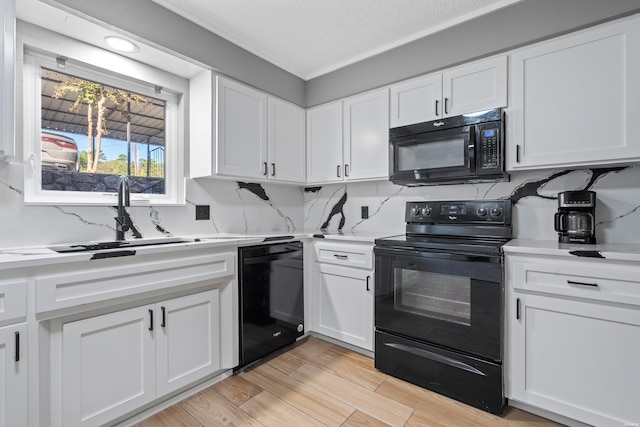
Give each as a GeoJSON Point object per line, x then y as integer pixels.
{"type": "Point", "coordinates": [261, 259]}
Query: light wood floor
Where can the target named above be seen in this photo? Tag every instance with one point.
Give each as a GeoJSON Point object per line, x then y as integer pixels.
{"type": "Point", "coordinates": [321, 384]}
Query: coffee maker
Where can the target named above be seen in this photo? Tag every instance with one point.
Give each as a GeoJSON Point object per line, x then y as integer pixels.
{"type": "Point", "coordinates": [575, 219]}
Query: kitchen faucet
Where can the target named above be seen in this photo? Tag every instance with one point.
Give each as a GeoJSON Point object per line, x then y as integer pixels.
{"type": "Point", "coordinates": [123, 200]}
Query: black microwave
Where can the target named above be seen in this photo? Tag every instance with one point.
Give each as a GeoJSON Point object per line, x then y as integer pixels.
{"type": "Point", "coordinates": [460, 149]}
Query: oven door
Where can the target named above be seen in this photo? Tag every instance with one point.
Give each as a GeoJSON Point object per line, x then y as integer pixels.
{"type": "Point", "coordinates": [447, 299]}
{"type": "Point", "coordinates": [436, 156]}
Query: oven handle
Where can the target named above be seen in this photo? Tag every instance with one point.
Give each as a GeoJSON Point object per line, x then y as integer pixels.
{"type": "Point", "coordinates": [429, 253]}
{"type": "Point", "coordinates": [436, 358]}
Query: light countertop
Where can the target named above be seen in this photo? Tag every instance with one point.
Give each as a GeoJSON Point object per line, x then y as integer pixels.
{"type": "Point", "coordinates": [13, 258]}
{"type": "Point", "coordinates": [611, 251]}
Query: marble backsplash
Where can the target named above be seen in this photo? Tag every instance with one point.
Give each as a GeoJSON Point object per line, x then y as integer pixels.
{"type": "Point", "coordinates": [240, 207]}
{"type": "Point", "coordinates": [235, 207]}
{"type": "Point", "coordinates": [533, 194]}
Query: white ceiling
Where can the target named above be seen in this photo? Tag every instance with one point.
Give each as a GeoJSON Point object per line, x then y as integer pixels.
{"type": "Point", "coordinates": [310, 38]}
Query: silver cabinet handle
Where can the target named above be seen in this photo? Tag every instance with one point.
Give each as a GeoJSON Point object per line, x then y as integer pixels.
{"type": "Point", "coordinates": [437, 107]}
{"type": "Point", "coordinates": [446, 104]}
{"type": "Point", "coordinates": [338, 256]}
{"type": "Point", "coordinates": [346, 170]}
{"type": "Point", "coordinates": [338, 171]}
{"type": "Point", "coordinates": [264, 170]}
{"type": "Point", "coordinates": [592, 285]}
{"type": "Point", "coordinates": [273, 169]}
{"type": "Point", "coordinates": [368, 280]}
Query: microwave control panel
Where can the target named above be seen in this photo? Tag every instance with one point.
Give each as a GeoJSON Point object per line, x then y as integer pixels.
{"type": "Point", "coordinates": [489, 149]}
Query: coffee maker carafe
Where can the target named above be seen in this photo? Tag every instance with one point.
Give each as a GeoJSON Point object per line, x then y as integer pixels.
{"type": "Point", "coordinates": [575, 219]}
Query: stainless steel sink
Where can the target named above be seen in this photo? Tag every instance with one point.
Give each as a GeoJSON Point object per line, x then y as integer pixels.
{"type": "Point", "coordinates": [119, 244]}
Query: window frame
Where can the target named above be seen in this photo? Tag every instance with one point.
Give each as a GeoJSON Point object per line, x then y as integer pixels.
{"type": "Point", "coordinates": [107, 69]}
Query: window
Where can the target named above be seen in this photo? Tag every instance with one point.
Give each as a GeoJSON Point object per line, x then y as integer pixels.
{"type": "Point", "coordinates": [91, 131]}
{"type": "Point", "coordinates": [86, 126]}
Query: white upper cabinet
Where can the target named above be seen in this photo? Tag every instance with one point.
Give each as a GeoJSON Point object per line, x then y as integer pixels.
{"type": "Point", "coordinates": [416, 100]}
{"type": "Point", "coordinates": [324, 143]}
{"type": "Point", "coordinates": [366, 136]}
{"type": "Point", "coordinates": [477, 86]}
{"type": "Point", "coordinates": [241, 132]}
{"type": "Point", "coordinates": [348, 140]}
{"type": "Point", "coordinates": [286, 141]}
{"type": "Point", "coordinates": [574, 99]}
{"type": "Point", "coordinates": [7, 73]}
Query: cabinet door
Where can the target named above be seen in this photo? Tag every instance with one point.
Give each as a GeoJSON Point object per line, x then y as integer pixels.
{"type": "Point", "coordinates": [187, 340]}
{"type": "Point", "coordinates": [366, 136]}
{"type": "Point", "coordinates": [324, 144]}
{"type": "Point", "coordinates": [344, 305]}
{"type": "Point", "coordinates": [576, 359]}
{"type": "Point", "coordinates": [417, 100]}
{"type": "Point", "coordinates": [7, 85]}
{"type": "Point", "coordinates": [571, 99]}
{"type": "Point", "coordinates": [473, 87]}
{"type": "Point", "coordinates": [287, 154]}
{"type": "Point", "coordinates": [108, 366]}
{"type": "Point", "coordinates": [13, 375]}
{"type": "Point", "coordinates": [241, 130]}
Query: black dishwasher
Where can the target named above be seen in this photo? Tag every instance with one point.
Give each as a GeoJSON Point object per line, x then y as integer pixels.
{"type": "Point", "coordinates": [271, 298]}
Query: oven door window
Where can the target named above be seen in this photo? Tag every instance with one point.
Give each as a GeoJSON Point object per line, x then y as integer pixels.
{"type": "Point", "coordinates": [439, 296]}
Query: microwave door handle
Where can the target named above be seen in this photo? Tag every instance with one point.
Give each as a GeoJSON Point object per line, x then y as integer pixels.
{"type": "Point", "coordinates": [471, 151]}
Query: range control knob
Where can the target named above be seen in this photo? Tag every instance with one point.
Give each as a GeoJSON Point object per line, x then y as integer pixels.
{"type": "Point", "coordinates": [415, 211]}
{"type": "Point", "coordinates": [496, 211]}
{"type": "Point", "coordinates": [482, 212]}
{"type": "Point", "coordinates": [426, 211]}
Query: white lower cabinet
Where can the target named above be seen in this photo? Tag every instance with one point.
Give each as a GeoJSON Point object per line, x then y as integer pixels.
{"type": "Point", "coordinates": [13, 375]}
{"type": "Point", "coordinates": [115, 363]}
{"type": "Point", "coordinates": [343, 293]}
{"type": "Point", "coordinates": [187, 341]}
{"type": "Point", "coordinates": [574, 337]}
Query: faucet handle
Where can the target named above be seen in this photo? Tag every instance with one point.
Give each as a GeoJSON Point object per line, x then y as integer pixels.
{"type": "Point", "coordinates": [122, 224]}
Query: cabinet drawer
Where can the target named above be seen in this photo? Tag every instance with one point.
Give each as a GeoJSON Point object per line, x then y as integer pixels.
{"type": "Point", "coordinates": [348, 254]}
{"type": "Point", "coordinates": [594, 279]}
{"type": "Point", "coordinates": [13, 300]}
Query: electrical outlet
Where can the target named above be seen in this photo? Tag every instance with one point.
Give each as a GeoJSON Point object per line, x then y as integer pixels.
{"type": "Point", "coordinates": [202, 212]}
{"type": "Point", "coordinates": [364, 210]}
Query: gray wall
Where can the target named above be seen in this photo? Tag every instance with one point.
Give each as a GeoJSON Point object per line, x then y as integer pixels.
{"type": "Point", "coordinates": [154, 23]}
{"type": "Point", "coordinates": [513, 26]}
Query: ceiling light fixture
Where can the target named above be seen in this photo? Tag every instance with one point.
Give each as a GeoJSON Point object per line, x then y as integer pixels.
{"type": "Point", "coordinates": [122, 45]}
